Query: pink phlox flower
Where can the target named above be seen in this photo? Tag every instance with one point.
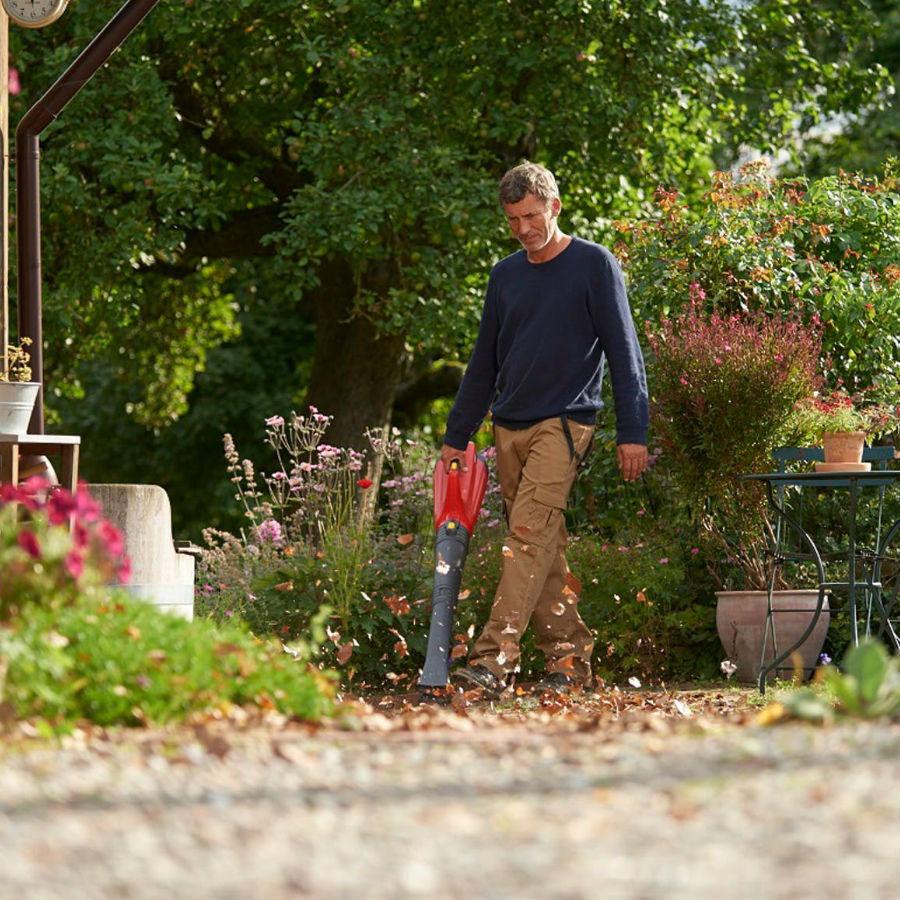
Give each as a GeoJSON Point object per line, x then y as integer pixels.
{"type": "Point", "coordinates": [124, 572]}
{"type": "Point", "coordinates": [113, 539]}
{"type": "Point", "coordinates": [74, 564]}
{"type": "Point", "coordinates": [61, 507]}
{"type": "Point", "coordinates": [80, 535]}
{"type": "Point", "coordinates": [9, 493]}
{"type": "Point", "coordinates": [88, 509]}
{"type": "Point", "coordinates": [269, 532]}
{"type": "Point", "coordinates": [28, 542]}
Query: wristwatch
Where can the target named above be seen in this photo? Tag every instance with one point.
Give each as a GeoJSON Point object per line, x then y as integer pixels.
{"type": "Point", "coordinates": [34, 13]}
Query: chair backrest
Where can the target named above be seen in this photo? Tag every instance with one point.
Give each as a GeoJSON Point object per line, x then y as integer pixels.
{"type": "Point", "coordinates": [878, 455]}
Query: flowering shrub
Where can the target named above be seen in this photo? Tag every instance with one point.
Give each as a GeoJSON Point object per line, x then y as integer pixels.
{"type": "Point", "coordinates": [726, 386]}
{"type": "Point", "coordinates": [321, 563]}
{"type": "Point", "coordinates": [54, 547]}
{"type": "Point", "coordinates": [825, 250]}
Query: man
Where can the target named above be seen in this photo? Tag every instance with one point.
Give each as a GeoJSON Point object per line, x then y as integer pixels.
{"type": "Point", "coordinates": [554, 313]}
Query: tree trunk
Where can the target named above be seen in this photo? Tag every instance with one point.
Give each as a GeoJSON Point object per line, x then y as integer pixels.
{"type": "Point", "coordinates": [355, 373]}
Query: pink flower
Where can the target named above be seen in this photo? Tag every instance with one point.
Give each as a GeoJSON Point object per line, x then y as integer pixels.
{"type": "Point", "coordinates": [112, 538]}
{"type": "Point", "coordinates": [275, 421]}
{"type": "Point", "coordinates": [15, 86]}
{"type": "Point", "coordinates": [60, 507]}
{"type": "Point", "coordinates": [88, 508]}
{"type": "Point", "coordinates": [74, 564]}
{"type": "Point", "coordinates": [269, 532]}
{"type": "Point", "coordinates": [28, 541]}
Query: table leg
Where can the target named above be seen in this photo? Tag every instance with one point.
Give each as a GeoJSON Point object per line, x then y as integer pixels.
{"type": "Point", "coordinates": [851, 568]}
{"type": "Point", "coordinates": [779, 658]}
{"type": "Point", "coordinates": [9, 463]}
{"type": "Point", "coordinates": [68, 469]}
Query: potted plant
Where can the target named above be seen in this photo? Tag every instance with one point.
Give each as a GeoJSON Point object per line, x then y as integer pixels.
{"type": "Point", "coordinates": [726, 391]}
{"type": "Point", "coordinates": [17, 391]}
{"type": "Point", "coordinates": [842, 422]}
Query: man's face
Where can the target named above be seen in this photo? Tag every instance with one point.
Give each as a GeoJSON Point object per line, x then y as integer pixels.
{"type": "Point", "coordinates": [532, 222]}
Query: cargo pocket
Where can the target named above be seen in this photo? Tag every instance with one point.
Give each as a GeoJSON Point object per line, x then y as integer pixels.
{"type": "Point", "coordinates": [536, 515]}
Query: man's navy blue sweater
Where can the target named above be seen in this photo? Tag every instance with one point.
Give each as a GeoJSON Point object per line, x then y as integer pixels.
{"type": "Point", "coordinates": [545, 331]}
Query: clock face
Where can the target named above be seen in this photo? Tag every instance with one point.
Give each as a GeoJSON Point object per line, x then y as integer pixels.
{"type": "Point", "coordinates": [34, 13]}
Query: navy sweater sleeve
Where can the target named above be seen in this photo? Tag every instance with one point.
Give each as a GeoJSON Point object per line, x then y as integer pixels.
{"type": "Point", "coordinates": [480, 381]}
{"type": "Point", "coordinates": [547, 331]}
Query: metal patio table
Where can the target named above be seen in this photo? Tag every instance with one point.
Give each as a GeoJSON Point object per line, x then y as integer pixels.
{"type": "Point", "coordinates": [854, 555]}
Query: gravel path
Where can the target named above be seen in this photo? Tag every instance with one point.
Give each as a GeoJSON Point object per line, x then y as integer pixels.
{"type": "Point", "coordinates": [476, 803]}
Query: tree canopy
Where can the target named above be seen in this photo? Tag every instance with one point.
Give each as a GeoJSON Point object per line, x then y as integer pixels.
{"type": "Point", "coordinates": [334, 162]}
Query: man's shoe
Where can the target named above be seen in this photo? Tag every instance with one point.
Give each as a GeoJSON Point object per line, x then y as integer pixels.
{"type": "Point", "coordinates": [558, 682]}
{"type": "Point", "coordinates": [476, 675]}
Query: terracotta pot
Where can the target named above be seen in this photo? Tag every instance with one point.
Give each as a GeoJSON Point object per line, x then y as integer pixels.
{"type": "Point", "coordinates": [843, 446]}
{"type": "Point", "coordinates": [741, 624]}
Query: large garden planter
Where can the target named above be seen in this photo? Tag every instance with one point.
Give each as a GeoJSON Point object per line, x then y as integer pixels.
{"type": "Point", "coordinates": [741, 624]}
{"type": "Point", "coordinates": [16, 404]}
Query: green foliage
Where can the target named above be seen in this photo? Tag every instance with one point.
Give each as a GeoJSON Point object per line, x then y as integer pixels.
{"type": "Point", "coordinates": [71, 648]}
{"type": "Point", "coordinates": [867, 685]}
{"type": "Point", "coordinates": [643, 597]}
{"type": "Point", "coordinates": [825, 251]}
{"type": "Point", "coordinates": [115, 661]}
{"type": "Point", "coordinates": [364, 607]}
{"type": "Point", "coordinates": [354, 148]}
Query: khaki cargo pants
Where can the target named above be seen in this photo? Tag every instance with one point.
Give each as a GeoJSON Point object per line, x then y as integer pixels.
{"type": "Point", "coordinates": [536, 470]}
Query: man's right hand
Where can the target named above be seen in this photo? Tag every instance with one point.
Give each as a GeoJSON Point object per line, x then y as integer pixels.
{"type": "Point", "coordinates": [448, 454]}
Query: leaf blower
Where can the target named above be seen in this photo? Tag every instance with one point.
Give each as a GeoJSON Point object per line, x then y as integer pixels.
{"type": "Point", "coordinates": [458, 496]}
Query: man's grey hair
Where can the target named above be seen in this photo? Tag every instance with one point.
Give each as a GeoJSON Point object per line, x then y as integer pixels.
{"type": "Point", "coordinates": [528, 178]}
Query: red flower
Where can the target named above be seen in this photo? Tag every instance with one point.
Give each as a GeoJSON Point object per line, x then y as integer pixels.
{"type": "Point", "coordinates": [364, 483]}
{"type": "Point", "coordinates": [28, 541]}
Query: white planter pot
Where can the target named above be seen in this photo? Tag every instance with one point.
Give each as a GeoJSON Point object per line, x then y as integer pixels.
{"type": "Point", "coordinates": [16, 404]}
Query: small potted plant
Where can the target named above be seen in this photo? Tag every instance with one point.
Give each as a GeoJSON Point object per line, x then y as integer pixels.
{"type": "Point", "coordinates": [17, 391]}
{"type": "Point", "coordinates": [843, 421]}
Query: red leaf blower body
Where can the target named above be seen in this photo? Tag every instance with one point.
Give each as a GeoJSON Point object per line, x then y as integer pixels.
{"type": "Point", "coordinates": [458, 496]}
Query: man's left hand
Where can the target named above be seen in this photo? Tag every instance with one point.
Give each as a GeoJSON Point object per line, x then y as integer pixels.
{"type": "Point", "coordinates": [632, 460]}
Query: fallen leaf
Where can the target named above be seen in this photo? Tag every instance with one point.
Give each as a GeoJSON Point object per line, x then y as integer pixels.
{"type": "Point", "coordinates": [397, 605]}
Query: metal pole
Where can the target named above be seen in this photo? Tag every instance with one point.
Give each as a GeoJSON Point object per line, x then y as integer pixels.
{"type": "Point", "coordinates": [4, 179]}
{"type": "Point", "coordinates": [28, 192]}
